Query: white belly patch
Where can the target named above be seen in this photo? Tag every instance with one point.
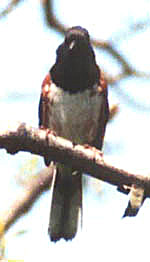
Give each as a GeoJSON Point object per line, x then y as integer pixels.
{"type": "Point", "coordinates": [74, 116]}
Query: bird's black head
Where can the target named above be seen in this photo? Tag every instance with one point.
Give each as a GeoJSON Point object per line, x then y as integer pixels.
{"type": "Point", "coordinates": [77, 37]}
{"type": "Point", "coordinates": [76, 45]}
{"type": "Point", "coordinates": [78, 30]}
{"type": "Point", "coordinates": [75, 68]}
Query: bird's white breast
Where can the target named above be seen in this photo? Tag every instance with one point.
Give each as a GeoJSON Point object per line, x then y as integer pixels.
{"type": "Point", "coordinates": [74, 116]}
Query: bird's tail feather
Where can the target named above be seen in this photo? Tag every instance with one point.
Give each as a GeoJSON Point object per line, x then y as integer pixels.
{"type": "Point", "coordinates": [66, 206]}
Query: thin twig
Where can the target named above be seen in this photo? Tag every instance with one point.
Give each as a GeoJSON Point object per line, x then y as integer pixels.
{"type": "Point", "coordinates": [9, 8]}
{"type": "Point", "coordinates": [27, 197]}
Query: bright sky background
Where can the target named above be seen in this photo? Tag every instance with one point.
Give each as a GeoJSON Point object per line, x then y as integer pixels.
{"type": "Point", "coordinates": [27, 51]}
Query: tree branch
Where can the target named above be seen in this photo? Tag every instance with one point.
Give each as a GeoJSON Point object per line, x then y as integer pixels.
{"type": "Point", "coordinates": [83, 158]}
{"type": "Point", "coordinates": [27, 197]}
{"type": "Point", "coordinates": [9, 8]}
{"type": "Point", "coordinates": [21, 137]}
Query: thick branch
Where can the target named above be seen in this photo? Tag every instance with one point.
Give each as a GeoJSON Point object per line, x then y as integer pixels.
{"type": "Point", "coordinates": [86, 159]}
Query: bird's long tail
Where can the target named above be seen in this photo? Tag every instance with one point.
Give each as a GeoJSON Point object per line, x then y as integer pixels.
{"type": "Point", "coordinates": [66, 206]}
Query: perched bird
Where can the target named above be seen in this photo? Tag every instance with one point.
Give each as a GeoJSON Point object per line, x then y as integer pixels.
{"type": "Point", "coordinates": [74, 105]}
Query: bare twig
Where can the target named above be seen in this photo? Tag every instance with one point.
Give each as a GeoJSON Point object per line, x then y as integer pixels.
{"type": "Point", "coordinates": [27, 197]}
{"type": "Point", "coordinates": [9, 8]}
{"type": "Point", "coordinates": [51, 18]}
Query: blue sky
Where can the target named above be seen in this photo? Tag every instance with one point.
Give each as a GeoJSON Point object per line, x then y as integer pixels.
{"type": "Point", "coordinates": [26, 54]}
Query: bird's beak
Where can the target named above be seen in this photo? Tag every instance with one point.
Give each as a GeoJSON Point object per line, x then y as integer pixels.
{"type": "Point", "coordinates": [72, 44]}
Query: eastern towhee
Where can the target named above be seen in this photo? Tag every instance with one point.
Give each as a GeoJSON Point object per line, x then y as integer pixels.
{"type": "Point", "coordinates": [74, 105]}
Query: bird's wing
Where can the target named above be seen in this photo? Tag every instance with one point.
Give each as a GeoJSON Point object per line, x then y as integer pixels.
{"type": "Point", "coordinates": [103, 114]}
{"type": "Point", "coordinates": [44, 108]}
{"type": "Point", "coordinates": [43, 104]}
